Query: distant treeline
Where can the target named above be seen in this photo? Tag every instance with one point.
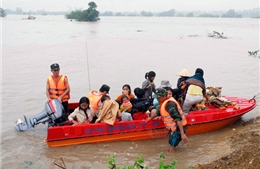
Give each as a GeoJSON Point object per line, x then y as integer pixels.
{"type": "Point", "coordinates": [253, 13]}
{"type": "Point", "coordinates": [19, 11]}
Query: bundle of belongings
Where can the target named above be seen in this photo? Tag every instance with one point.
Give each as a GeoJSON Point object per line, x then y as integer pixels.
{"type": "Point", "coordinates": [215, 99]}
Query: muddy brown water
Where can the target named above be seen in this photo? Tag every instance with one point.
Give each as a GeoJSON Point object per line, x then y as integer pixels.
{"type": "Point", "coordinates": [116, 51]}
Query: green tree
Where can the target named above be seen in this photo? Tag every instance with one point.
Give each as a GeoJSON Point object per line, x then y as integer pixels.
{"type": "Point", "coordinates": [144, 13]}
{"type": "Point", "coordinates": [190, 15]}
{"type": "Point", "coordinates": [231, 14]}
{"type": "Point", "coordinates": [167, 13]}
{"type": "Point", "coordinates": [2, 12]}
{"type": "Point", "coordinates": [107, 13]}
{"type": "Point", "coordinates": [92, 5]}
{"type": "Point", "coordinates": [19, 11]}
{"type": "Point", "coordinates": [90, 14]}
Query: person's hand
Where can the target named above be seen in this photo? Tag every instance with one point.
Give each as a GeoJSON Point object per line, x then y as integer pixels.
{"type": "Point", "coordinates": [148, 119]}
{"type": "Point", "coordinates": [183, 85]}
{"type": "Point", "coordinates": [59, 98]}
{"type": "Point", "coordinates": [74, 122]}
{"type": "Point", "coordinates": [184, 138]}
{"type": "Point", "coordinates": [86, 122]}
{"type": "Point", "coordinates": [125, 92]}
{"type": "Point", "coordinates": [158, 117]}
{"type": "Point", "coordinates": [207, 102]}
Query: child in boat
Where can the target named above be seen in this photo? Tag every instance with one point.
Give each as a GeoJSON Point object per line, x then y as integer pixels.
{"type": "Point", "coordinates": [109, 111]}
{"type": "Point", "coordinates": [123, 99]}
{"type": "Point", "coordinates": [140, 98]}
{"type": "Point", "coordinates": [140, 113]}
{"type": "Point", "coordinates": [127, 109]}
{"type": "Point", "coordinates": [82, 114]}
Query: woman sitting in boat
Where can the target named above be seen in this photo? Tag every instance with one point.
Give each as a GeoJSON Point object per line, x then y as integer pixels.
{"type": "Point", "coordinates": [170, 92]}
{"type": "Point", "coordinates": [109, 111]}
{"type": "Point", "coordinates": [126, 91]}
{"type": "Point", "coordinates": [82, 114]}
{"type": "Point", "coordinates": [196, 90]}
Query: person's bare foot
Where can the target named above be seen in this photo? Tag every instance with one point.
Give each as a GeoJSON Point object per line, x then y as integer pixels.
{"type": "Point", "coordinates": [171, 149]}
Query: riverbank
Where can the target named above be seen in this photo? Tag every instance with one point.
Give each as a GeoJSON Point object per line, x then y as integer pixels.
{"type": "Point", "coordinates": [245, 148]}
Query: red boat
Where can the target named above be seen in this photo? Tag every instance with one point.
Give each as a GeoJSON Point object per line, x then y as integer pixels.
{"type": "Point", "coordinates": [213, 118]}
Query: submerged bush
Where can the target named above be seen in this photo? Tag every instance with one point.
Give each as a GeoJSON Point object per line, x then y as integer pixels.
{"type": "Point", "coordinates": [90, 14]}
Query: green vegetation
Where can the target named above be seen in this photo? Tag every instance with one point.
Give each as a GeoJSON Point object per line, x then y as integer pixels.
{"type": "Point", "coordinates": [254, 53]}
{"type": "Point", "coordinates": [231, 14]}
{"type": "Point", "coordinates": [190, 15]}
{"type": "Point", "coordinates": [139, 163]}
{"type": "Point", "coordinates": [2, 12]}
{"type": "Point", "coordinates": [90, 14]}
{"type": "Point", "coordinates": [167, 13]}
{"type": "Point", "coordinates": [28, 163]}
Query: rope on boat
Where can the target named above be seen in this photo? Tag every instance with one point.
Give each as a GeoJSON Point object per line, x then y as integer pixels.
{"type": "Point", "coordinates": [256, 96]}
{"type": "Point", "coordinates": [88, 66]}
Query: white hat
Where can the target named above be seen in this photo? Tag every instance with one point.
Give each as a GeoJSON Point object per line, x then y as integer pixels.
{"type": "Point", "coordinates": [184, 72]}
{"type": "Point", "coordinates": [165, 83]}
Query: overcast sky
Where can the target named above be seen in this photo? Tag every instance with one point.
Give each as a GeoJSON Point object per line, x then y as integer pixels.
{"type": "Point", "coordinates": [131, 5]}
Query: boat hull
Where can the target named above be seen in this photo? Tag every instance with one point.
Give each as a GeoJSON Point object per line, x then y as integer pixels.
{"type": "Point", "coordinates": [211, 126]}
{"type": "Point", "coordinates": [198, 122]}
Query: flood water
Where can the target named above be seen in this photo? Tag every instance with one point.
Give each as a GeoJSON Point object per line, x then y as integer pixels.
{"type": "Point", "coordinates": [118, 51]}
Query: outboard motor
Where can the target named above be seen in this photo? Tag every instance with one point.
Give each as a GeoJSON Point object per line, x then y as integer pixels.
{"type": "Point", "coordinates": [53, 111]}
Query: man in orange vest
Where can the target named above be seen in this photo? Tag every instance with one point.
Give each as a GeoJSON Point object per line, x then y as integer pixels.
{"type": "Point", "coordinates": [58, 88]}
{"type": "Point", "coordinates": [173, 117]}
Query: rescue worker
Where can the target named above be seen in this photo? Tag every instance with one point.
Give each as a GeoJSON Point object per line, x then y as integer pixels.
{"type": "Point", "coordinates": [58, 88]}
{"type": "Point", "coordinates": [173, 117]}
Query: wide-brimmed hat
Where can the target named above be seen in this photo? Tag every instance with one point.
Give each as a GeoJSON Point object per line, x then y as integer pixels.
{"type": "Point", "coordinates": [165, 83]}
{"type": "Point", "coordinates": [184, 72]}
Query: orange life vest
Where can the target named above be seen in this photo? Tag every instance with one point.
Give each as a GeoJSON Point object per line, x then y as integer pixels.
{"type": "Point", "coordinates": [94, 99]}
{"type": "Point", "coordinates": [169, 122]}
{"type": "Point", "coordinates": [58, 88]}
